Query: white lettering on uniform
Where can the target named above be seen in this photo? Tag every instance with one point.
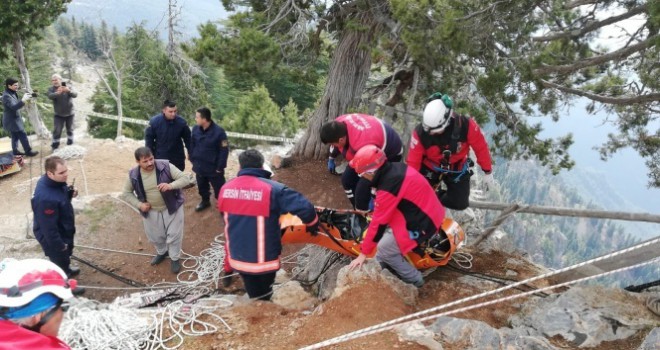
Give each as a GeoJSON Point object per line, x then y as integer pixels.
{"type": "Point", "coordinates": [243, 194]}
{"type": "Point", "coordinates": [358, 122]}
{"type": "Point", "coordinates": [230, 193]}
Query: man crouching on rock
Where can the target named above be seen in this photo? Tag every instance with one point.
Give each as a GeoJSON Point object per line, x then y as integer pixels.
{"type": "Point", "coordinates": [154, 188]}
{"type": "Point", "coordinates": [406, 203]}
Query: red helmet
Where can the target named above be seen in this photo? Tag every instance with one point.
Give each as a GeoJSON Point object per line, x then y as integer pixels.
{"type": "Point", "coordinates": [368, 159]}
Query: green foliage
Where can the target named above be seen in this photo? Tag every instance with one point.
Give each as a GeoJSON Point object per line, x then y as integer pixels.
{"type": "Point", "coordinates": [150, 76]}
{"type": "Point", "coordinates": [26, 19]}
{"type": "Point", "coordinates": [256, 113]}
{"type": "Point", "coordinates": [249, 56]}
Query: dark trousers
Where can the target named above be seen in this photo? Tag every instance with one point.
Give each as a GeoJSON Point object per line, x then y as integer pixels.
{"type": "Point", "coordinates": [60, 122]}
{"type": "Point", "coordinates": [21, 136]}
{"type": "Point", "coordinates": [60, 258]}
{"type": "Point", "coordinates": [205, 182]}
{"type": "Point", "coordinates": [457, 195]}
{"type": "Point", "coordinates": [357, 189]}
{"type": "Point", "coordinates": [180, 164]}
{"type": "Point", "coordinates": [259, 286]}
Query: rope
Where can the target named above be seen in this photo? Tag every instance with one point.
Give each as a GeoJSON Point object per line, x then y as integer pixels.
{"type": "Point", "coordinates": [388, 325]}
{"type": "Point", "coordinates": [91, 325]}
{"type": "Point", "coordinates": [495, 291]}
{"type": "Point", "coordinates": [113, 250]}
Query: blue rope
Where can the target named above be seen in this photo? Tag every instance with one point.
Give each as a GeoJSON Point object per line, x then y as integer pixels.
{"type": "Point", "coordinates": [459, 172]}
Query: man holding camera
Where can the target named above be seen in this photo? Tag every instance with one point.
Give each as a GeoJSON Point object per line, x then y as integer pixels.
{"type": "Point", "coordinates": [54, 221]}
{"type": "Point", "coordinates": [12, 120]}
{"type": "Point", "coordinates": [62, 96]}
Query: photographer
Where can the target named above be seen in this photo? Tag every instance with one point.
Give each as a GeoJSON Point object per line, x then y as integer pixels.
{"type": "Point", "coordinates": [12, 120]}
{"type": "Point", "coordinates": [62, 96]}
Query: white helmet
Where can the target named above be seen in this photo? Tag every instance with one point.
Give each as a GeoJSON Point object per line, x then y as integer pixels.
{"type": "Point", "coordinates": [436, 117]}
{"type": "Point", "coordinates": [22, 281]}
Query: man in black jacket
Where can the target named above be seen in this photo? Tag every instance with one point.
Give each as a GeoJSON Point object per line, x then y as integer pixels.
{"type": "Point", "coordinates": [54, 220]}
{"type": "Point", "coordinates": [208, 153]}
{"type": "Point", "coordinates": [165, 134]}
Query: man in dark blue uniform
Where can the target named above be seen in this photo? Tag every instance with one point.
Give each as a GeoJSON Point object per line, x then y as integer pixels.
{"type": "Point", "coordinates": [208, 153]}
{"type": "Point", "coordinates": [165, 134]}
{"type": "Point", "coordinates": [54, 221]}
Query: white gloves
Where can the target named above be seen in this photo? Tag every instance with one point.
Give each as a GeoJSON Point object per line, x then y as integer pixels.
{"type": "Point", "coordinates": [488, 182]}
{"type": "Point", "coordinates": [26, 97]}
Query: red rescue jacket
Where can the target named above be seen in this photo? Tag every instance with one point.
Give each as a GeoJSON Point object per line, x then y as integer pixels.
{"type": "Point", "coordinates": [365, 130]}
{"type": "Point", "coordinates": [427, 149]}
{"type": "Point", "coordinates": [13, 337]}
{"type": "Point", "coordinates": [407, 203]}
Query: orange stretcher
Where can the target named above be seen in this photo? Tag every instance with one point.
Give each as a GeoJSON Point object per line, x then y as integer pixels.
{"type": "Point", "coordinates": [342, 231]}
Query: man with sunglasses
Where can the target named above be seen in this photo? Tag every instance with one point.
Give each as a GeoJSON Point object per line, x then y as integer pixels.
{"type": "Point", "coordinates": [31, 295]}
{"type": "Point", "coordinates": [439, 149]}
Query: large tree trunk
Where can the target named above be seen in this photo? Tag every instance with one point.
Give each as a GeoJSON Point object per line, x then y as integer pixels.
{"type": "Point", "coordinates": [31, 108]}
{"type": "Point", "coordinates": [348, 74]}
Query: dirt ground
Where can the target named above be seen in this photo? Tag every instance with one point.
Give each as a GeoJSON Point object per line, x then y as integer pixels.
{"type": "Point", "coordinates": [110, 224]}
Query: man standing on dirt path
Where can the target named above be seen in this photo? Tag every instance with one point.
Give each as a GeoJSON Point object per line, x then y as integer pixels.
{"type": "Point", "coordinates": [208, 153]}
{"type": "Point", "coordinates": [346, 135]}
{"type": "Point", "coordinates": [54, 220]}
{"type": "Point", "coordinates": [166, 135]}
{"type": "Point", "coordinates": [62, 96]}
{"type": "Point", "coordinates": [439, 149]}
{"type": "Point", "coordinates": [406, 214]}
{"type": "Point", "coordinates": [252, 204]}
{"type": "Point", "coordinates": [154, 188]}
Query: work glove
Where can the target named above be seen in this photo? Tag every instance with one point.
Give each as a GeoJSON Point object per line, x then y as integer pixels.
{"type": "Point", "coordinates": [26, 97]}
{"type": "Point", "coordinates": [488, 182]}
{"type": "Point", "coordinates": [313, 229]}
{"type": "Point", "coordinates": [332, 166]}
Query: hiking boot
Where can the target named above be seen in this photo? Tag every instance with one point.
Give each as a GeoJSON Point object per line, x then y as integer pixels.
{"type": "Point", "coordinates": [158, 259]}
{"type": "Point", "coordinates": [73, 272]}
{"type": "Point", "coordinates": [175, 266]}
{"type": "Point", "coordinates": [31, 153]}
{"type": "Point", "coordinates": [227, 279]}
{"type": "Point", "coordinates": [17, 153]}
{"type": "Point", "coordinates": [78, 291]}
{"type": "Point", "coordinates": [202, 205]}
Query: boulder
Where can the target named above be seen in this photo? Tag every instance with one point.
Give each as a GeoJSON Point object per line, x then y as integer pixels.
{"type": "Point", "coordinates": [417, 333]}
{"type": "Point", "coordinates": [652, 340]}
{"type": "Point", "coordinates": [586, 315]}
{"type": "Point", "coordinates": [292, 296]}
{"type": "Point", "coordinates": [370, 271]}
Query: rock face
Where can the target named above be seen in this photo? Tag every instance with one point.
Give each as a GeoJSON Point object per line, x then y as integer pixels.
{"type": "Point", "coordinates": [479, 335]}
{"type": "Point", "coordinates": [371, 270]}
{"type": "Point", "coordinates": [292, 296]}
{"type": "Point", "coordinates": [319, 267]}
{"type": "Point", "coordinates": [652, 340]}
{"type": "Point", "coordinates": [586, 316]}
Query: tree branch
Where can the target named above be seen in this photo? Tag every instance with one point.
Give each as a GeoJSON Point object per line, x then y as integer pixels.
{"type": "Point", "coordinates": [591, 26]}
{"type": "Point", "coordinates": [653, 97]}
{"type": "Point", "coordinates": [576, 3]}
{"type": "Point", "coordinates": [596, 60]}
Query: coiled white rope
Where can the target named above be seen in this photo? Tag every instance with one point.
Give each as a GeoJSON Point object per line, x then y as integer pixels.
{"type": "Point", "coordinates": [416, 316]}
{"type": "Point", "coordinates": [70, 152]}
{"type": "Point", "coordinates": [91, 325]}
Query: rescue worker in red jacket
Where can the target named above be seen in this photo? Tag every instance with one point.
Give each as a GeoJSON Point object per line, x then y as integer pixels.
{"type": "Point", "coordinates": [346, 135]}
{"type": "Point", "coordinates": [31, 296]}
{"type": "Point", "coordinates": [252, 204]}
{"type": "Point", "coordinates": [406, 213]}
{"type": "Point", "coordinates": [439, 149]}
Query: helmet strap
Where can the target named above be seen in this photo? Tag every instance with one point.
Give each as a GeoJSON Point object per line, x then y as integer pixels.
{"type": "Point", "coordinates": [45, 318]}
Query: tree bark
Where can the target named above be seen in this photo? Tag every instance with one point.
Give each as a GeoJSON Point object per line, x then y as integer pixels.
{"type": "Point", "coordinates": [347, 77]}
{"type": "Point", "coordinates": [31, 108]}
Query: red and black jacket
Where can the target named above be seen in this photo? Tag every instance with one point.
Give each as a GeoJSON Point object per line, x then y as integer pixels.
{"type": "Point", "coordinates": [461, 134]}
{"type": "Point", "coordinates": [405, 202]}
{"type": "Point", "coordinates": [252, 205]}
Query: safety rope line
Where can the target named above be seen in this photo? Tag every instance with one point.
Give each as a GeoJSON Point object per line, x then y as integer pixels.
{"type": "Point", "coordinates": [513, 285]}
{"type": "Point", "coordinates": [388, 325]}
{"type": "Point", "coordinates": [113, 250]}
